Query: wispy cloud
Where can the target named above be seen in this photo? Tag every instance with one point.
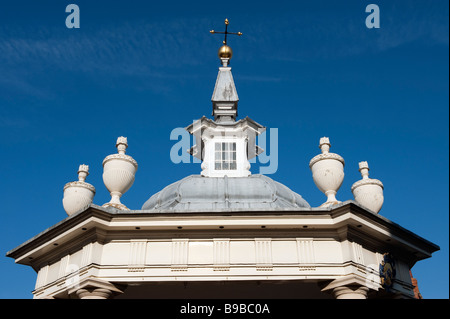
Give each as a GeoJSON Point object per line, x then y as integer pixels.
{"type": "Point", "coordinates": [13, 123]}
{"type": "Point", "coordinates": [137, 49]}
{"type": "Point", "coordinates": [257, 78]}
{"type": "Point", "coordinates": [164, 50]}
{"type": "Point", "coordinates": [299, 37]}
{"type": "Point", "coordinates": [122, 48]}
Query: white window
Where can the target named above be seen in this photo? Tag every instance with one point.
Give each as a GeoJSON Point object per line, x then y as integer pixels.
{"type": "Point", "coordinates": [225, 156]}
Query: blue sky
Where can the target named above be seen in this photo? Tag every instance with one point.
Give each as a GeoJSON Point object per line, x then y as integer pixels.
{"type": "Point", "coordinates": [142, 68]}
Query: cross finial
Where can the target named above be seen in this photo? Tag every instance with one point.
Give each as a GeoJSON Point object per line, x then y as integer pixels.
{"type": "Point", "coordinates": [226, 32]}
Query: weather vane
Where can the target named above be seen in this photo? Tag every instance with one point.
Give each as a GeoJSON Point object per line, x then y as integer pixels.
{"type": "Point", "coordinates": [226, 32]}
{"type": "Point", "coordinates": [225, 53]}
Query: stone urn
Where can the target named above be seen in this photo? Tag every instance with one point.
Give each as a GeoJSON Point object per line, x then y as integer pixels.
{"type": "Point", "coordinates": [118, 174]}
{"type": "Point", "coordinates": [78, 194]}
{"type": "Point", "coordinates": [328, 172]}
{"type": "Point", "coordinates": [367, 191]}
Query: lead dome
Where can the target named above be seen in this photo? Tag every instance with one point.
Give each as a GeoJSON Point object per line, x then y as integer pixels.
{"type": "Point", "coordinates": [194, 193]}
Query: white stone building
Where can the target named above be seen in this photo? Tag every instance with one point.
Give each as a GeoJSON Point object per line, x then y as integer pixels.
{"type": "Point", "coordinates": [224, 233]}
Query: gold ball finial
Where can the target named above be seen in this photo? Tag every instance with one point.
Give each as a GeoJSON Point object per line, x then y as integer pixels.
{"type": "Point", "coordinates": [225, 52]}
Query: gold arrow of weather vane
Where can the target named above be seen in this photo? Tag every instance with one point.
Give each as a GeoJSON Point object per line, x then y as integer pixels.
{"type": "Point", "coordinates": [226, 32]}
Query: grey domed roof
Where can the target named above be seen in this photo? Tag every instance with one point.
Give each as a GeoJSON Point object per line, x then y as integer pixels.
{"type": "Point", "coordinates": [196, 192]}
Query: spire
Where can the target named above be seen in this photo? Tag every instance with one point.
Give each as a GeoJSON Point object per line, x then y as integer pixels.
{"type": "Point", "coordinates": [225, 98]}
{"type": "Point", "coordinates": [225, 145]}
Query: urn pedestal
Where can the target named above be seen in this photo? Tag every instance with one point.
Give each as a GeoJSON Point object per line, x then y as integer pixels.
{"type": "Point", "coordinates": [367, 191]}
{"type": "Point", "coordinates": [118, 174]}
{"type": "Point", "coordinates": [78, 194]}
{"type": "Point", "coordinates": [328, 172]}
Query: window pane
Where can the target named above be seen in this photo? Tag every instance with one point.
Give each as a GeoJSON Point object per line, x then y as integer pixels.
{"type": "Point", "coordinates": [225, 156]}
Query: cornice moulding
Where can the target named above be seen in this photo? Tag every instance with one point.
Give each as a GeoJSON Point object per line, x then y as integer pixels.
{"type": "Point", "coordinates": [102, 219]}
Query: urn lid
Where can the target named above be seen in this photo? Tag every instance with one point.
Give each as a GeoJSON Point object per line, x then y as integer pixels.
{"type": "Point", "coordinates": [121, 145]}
{"type": "Point", "coordinates": [83, 172]}
{"type": "Point", "coordinates": [324, 146]}
{"type": "Point", "coordinates": [364, 170]}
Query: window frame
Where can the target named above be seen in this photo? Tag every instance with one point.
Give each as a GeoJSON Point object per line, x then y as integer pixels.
{"type": "Point", "coordinates": [225, 156]}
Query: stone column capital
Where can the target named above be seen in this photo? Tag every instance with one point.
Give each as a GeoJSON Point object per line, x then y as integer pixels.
{"type": "Point", "coordinates": [347, 287]}
{"type": "Point", "coordinates": [95, 289]}
{"type": "Point", "coordinates": [94, 293]}
{"type": "Point", "coordinates": [350, 292]}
